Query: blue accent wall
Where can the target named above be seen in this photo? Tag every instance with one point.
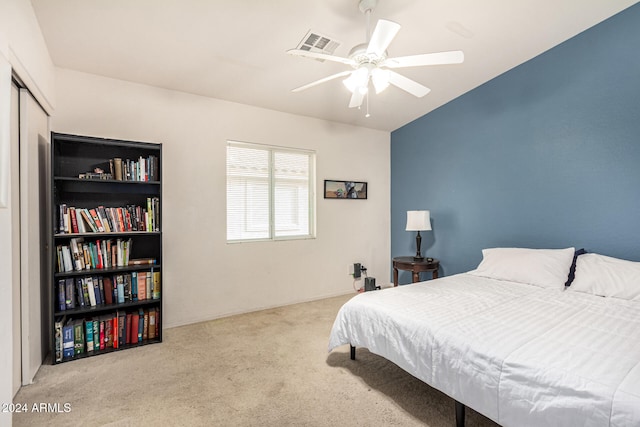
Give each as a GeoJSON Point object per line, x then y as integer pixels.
{"type": "Point", "coordinates": [546, 155]}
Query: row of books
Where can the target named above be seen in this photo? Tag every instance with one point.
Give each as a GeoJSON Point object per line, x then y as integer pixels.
{"type": "Point", "coordinates": [74, 337]}
{"type": "Point", "coordinates": [79, 255]}
{"type": "Point", "coordinates": [91, 291]}
{"type": "Point", "coordinates": [142, 169]}
{"type": "Point", "coordinates": [109, 219]}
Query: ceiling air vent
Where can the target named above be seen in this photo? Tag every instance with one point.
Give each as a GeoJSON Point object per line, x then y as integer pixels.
{"type": "Point", "coordinates": [315, 42]}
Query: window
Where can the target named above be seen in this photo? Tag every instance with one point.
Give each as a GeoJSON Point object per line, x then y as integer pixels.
{"type": "Point", "coordinates": [270, 192]}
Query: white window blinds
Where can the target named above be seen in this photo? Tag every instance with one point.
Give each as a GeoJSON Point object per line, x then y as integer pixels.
{"type": "Point", "coordinates": [269, 192]}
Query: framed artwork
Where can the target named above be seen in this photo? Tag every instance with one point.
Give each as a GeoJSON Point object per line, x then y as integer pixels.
{"type": "Point", "coordinates": [344, 189]}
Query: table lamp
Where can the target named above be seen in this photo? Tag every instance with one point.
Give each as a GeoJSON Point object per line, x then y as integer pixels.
{"type": "Point", "coordinates": [418, 221]}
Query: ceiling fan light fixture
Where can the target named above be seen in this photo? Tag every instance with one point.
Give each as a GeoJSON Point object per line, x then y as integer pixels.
{"type": "Point", "coordinates": [380, 79]}
{"type": "Point", "coordinates": [371, 63]}
{"type": "Point", "coordinates": [358, 79]}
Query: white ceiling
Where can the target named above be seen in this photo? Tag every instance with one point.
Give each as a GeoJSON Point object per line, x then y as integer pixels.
{"type": "Point", "coordinates": [235, 49]}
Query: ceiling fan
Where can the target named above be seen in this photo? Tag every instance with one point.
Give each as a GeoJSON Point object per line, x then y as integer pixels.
{"type": "Point", "coordinates": [371, 64]}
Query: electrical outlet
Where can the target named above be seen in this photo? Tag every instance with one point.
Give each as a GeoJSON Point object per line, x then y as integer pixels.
{"type": "Point", "coordinates": [356, 270]}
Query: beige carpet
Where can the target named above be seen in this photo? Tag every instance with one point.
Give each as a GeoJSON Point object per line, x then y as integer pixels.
{"type": "Point", "coordinates": [269, 368]}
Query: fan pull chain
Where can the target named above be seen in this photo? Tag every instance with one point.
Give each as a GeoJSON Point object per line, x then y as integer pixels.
{"type": "Point", "coordinates": [367, 113]}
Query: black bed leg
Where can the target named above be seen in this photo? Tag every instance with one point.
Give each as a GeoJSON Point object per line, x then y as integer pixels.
{"type": "Point", "coordinates": [459, 414]}
{"type": "Point", "coordinates": [353, 352]}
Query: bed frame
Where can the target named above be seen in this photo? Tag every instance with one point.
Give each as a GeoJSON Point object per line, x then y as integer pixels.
{"type": "Point", "coordinates": [460, 408]}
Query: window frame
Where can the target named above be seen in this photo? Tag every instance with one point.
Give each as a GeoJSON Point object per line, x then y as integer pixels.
{"type": "Point", "coordinates": [271, 182]}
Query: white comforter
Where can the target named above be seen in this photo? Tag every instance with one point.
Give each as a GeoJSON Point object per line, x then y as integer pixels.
{"type": "Point", "coordinates": [519, 354]}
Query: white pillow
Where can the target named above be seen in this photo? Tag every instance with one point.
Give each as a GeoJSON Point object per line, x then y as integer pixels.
{"type": "Point", "coordinates": [546, 268]}
{"type": "Point", "coordinates": [606, 276]}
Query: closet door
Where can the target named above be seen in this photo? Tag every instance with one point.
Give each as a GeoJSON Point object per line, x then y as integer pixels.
{"type": "Point", "coordinates": [14, 161]}
{"type": "Point", "coordinates": [34, 188]}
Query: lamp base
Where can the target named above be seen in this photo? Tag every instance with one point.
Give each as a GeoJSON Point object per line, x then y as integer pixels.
{"type": "Point", "coordinates": [418, 258]}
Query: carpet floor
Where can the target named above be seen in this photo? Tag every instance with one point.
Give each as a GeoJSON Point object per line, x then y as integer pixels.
{"type": "Point", "coordinates": [267, 368]}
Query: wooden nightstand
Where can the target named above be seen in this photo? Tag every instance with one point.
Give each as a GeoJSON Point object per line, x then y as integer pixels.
{"type": "Point", "coordinates": [416, 267]}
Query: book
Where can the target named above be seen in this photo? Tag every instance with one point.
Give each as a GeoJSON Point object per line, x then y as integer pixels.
{"type": "Point", "coordinates": [79, 293]}
{"type": "Point", "coordinates": [122, 328]}
{"type": "Point", "coordinates": [108, 331]}
{"type": "Point", "coordinates": [140, 324]}
{"type": "Point", "coordinates": [74, 220]}
{"type": "Point", "coordinates": [108, 290]}
{"type": "Point", "coordinates": [101, 288]}
{"type": "Point", "coordinates": [152, 324]}
{"type": "Point", "coordinates": [61, 209]}
{"type": "Point", "coordinates": [158, 322]}
{"type": "Point", "coordinates": [127, 287]}
{"type": "Point", "coordinates": [120, 287]}
{"type": "Point", "coordinates": [96, 290]}
{"type": "Point", "coordinates": [135, 319]}
{"type": "Point", "coordinates": [142, 286]}
{"type": "Point", "coordinates": [134, 286]}
{"type": "Point", "coordinates": [142, 261]}
{"type": "Point", "coordinates": [69, 293]}
{"type": "Point", "coordinates": [103, 218]}
{"type": "Point", "coordinates": [145, 328]}
{"type": "Point", "coordinates": [59, 346]}
{"type": "Point", "coordinates": [91, 291]}
{"type": "Point", "coordinates": [114, 330]}
{"type": "Point", "coordinates": [87, 256]}
{"type": "Point", "coordinates": [65, 218]}
{"type": "Point", "coordinates": [89, 334]}
{"type": "Point", "coordinates": [88, 220]}
{"type": "Point", "coordinates": [128, 320]}
{"type": "Point", "coordinates": [119, 253]}
{"type": "Point", "coordinates": [117, 167]}
{"type": "Point", "coordinates": [120, 220]}
{"type": "Point", "coordinates": [78, 337]}
{"type": "Point", "coordinates": [99, 263]}
{"type": "Point", "coordinates": [85, 292]}
{"type": "Point", "coordinates": [67, 259]}
{"type": "Point", "coordinates": [78, 258]}
{"type": "Point", "coordinates": [62, 300]}
{"type": "Point", "coordinates": [103, 337]}
{"type": "Point", "coordinates": [149, 285]}
{"type": "Point", "coordinates": [67, 341]}
{"type": "Point", "coordinates": [96, 334]}
{"type": "Point", "coordinates": [149, 215]}
{"type": "Point", "coordinates": [156, 285]}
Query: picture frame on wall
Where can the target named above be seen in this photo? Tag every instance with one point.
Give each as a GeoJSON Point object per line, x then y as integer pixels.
{"type": "Point", "coordinates": [354, 190]}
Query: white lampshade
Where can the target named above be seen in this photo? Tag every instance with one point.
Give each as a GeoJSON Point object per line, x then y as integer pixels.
{"type": "Point", "coordinates": [380, 79]}
{"type": "Point", "coordinates": [418, 221]}
{"type": "Point", "coordinates": [357, 80]}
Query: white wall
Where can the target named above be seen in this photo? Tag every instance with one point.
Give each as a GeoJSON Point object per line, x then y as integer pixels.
{"type": "Point", "coordinates": [27, 51]}
{"type": "Point", "coordinates": [204, 277]}
{"type": "Point", "coordinates": [22, 48]}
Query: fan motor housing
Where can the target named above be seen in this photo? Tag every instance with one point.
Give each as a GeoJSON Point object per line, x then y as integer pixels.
{"type": "Point", "coordinates": [360, 56]}
{"type": "Point", "coordinates": [367, 5]}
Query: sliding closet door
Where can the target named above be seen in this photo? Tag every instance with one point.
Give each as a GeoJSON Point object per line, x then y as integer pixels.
{"type": "Point", "coordinates": [14, 161]}
{"type": "Point", "coordinates": [34, 172]}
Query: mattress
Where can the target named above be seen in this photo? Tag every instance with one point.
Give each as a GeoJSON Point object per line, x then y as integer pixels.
{"type": "Point", "coordinates": [519, 354]}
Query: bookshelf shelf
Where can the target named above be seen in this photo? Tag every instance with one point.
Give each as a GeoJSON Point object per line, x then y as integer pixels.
{"type": "Point", "coordinates": [101, 235]}
{"type": "Point", "coordinates": [108, 270]}
{"type": "Point", "coordinates": [106, 307]}
{"type": "Point", "coordinates": [106, 252]}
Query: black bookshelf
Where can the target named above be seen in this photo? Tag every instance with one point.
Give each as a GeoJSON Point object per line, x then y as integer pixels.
{"type": "Point", "coordinates": [121, 182]}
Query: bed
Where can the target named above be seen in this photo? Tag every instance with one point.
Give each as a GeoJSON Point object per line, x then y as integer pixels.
{"type": "Point", "coordinates": [512, 342]}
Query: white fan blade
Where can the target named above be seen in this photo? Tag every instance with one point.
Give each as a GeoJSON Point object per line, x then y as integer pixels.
{"type": "Point", "coordinates": [356, 99]}
{"type": "Point", "coordinates": [382, 36]}
{"type": "Point", "coordinates": [326, 79]}
{"type": "Point", "coordinates": [408, 85]}
{"type": "Point", "coordinates": [440, 58]}
{"type": "Point", "coordinates": [317, 55]}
